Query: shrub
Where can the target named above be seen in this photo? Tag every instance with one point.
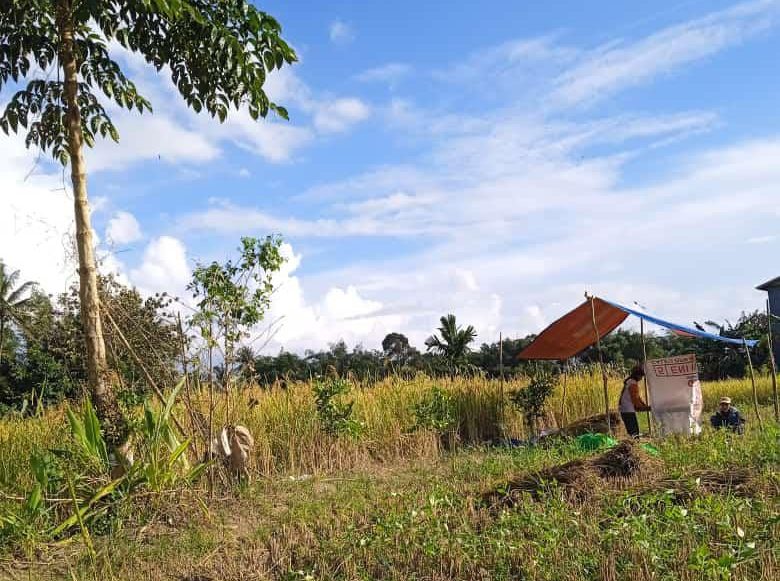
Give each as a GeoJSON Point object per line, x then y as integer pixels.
{"type": "Point", "coordinates": [436, 411]}
{"type": "Point", "coordinates": [335, 416]}
{"type": "Point", "coordinates": [531, 399]}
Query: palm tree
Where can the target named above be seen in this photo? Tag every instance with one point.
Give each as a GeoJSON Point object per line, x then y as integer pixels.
{"type": "Point", "coordinates": [245, 357]}
{"type": "Point", "coordinates": [14, 301]}
{"type": "Point", "coordinates": [453, 344]}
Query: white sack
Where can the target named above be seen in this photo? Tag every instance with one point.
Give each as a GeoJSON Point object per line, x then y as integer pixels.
{"type": "Point", "coordinates": [675, 394]}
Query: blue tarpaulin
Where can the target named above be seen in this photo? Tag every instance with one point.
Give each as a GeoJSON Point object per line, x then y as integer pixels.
{"type": "Point", "coordinates": [681, 329]}
{"type": "Point", "coordinates": [577, 330]}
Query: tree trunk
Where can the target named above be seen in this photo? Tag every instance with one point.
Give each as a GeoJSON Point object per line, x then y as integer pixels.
{"type": "Point", "coordinates": [2, 338]}
{"type": "Point", "coordinates": [106, 405]}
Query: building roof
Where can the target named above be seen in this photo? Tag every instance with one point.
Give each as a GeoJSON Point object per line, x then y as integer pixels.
{"type": "Point", "coordinates": [775, 282]}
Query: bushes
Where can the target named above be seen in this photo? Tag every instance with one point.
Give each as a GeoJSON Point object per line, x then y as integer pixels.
{"type": "Point", "coordinates": [531, 399]}
{"type": "Point", "coordinates": [335, 415]}
{"type": "Point", "coordinates": [72, 486]}
{"type": "Point", "coordinates": [436, 411]}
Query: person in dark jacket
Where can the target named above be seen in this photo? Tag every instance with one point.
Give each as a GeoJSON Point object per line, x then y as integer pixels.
{"type": "Point", "coordinates": [728, 416]}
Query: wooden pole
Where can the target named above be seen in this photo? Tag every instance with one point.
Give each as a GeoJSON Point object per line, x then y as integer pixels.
{"type": "Point", "coordinates": [194, 420]}
{"type": "Point", "coordinates": [644, 366]}
{"type": "Point", "coordinates": [772, 367]}
{"type": "Point", "coordinates": [601, 361]}
{"type": "Point", "coordinates": [753, 382]}
{"type": "Point", "coordinates": [563, 395]}
{"type": "Point", "coordinates": [501, 386]}
{"type": "Point", "coordinates": [148, 376]}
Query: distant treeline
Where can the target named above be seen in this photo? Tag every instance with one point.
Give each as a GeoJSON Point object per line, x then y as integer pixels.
{"type": "Point", "coordinates": [622, 349]}
{"type": "Point", "coordinates": [42, 349]}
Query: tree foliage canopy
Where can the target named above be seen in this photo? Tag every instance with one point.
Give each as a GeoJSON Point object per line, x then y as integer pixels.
{"type": "Point", "coordinates": [453, 341]}
{"type": "Point", "coordinates": [218, 54]}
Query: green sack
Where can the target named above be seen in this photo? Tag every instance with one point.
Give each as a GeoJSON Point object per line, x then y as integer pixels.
{"type": "Point", "coordinates": [595, 441]}
{"type": "Point", "coordinates": [650, 449]}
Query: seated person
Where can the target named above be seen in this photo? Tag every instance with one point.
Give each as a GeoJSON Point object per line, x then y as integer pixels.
{"type": "Point", "coordinates": [728, 416]}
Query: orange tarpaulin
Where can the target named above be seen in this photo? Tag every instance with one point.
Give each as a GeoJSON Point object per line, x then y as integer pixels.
{"type": "Point", "coordinates": [574, 332]}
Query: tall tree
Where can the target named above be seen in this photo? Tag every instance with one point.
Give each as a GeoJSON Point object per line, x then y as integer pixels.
{"type": "Point", "coordinates": [219, 53]}
{"type": "Point", "coordinates": [453, 342]}
{"type": "Point", "coordinates": [15, 301]}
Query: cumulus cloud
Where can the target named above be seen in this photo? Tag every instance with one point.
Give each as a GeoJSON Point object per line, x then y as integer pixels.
{"type": "Point", "coordinates": [164, 267]}
{"type": "Point", "coordinates": [298, 319]}
{"type": "Point", "coordinates": [36, 220]}
{"type": "Point", "coordinates": [123, 228]}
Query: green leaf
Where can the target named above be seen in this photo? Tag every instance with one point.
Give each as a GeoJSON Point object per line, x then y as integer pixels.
{"type": "Point", "coordinates": [176, 454]}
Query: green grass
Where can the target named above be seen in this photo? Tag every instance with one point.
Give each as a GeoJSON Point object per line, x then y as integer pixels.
{"type": "Point", "coordinates": [391, 504]}
{"type": "Point", "coordinates": [425, 520]}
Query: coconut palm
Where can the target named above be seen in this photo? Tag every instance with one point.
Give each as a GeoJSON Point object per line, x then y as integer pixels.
{"type": "Point", "coordinates": [15, 301]}
{"type": "Point", "coordinates": [453, 345]}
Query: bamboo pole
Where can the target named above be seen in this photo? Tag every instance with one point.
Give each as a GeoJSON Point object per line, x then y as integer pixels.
{"type": "Point", "coordinates": [601, 361]}
{"type": "Point", "coordinates": [753, 383]}
{"type": "Point", "coordinates": [148, 376]}
{"type": "Point", "coordinates": [195, 421]}
{"type": "Point", "coordinates": [772, 366]}
{"type": "Point", "coordinates": [563, 395]}
{"type": "Point", "coordinates": [501, 386]}
{"type": "Point", "coordinates": [644, 379]}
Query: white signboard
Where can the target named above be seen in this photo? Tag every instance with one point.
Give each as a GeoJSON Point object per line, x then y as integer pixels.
{"type": "Point", "coordinates": [675, 394]}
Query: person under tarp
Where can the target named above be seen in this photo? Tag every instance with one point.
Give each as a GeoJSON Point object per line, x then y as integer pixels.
{"type": "Point", "coordinates": [631, 402]}
{"type": "Point", "coordinates": [677, 410]}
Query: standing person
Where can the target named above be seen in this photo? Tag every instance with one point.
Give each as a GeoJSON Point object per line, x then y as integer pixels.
{"type": "Point", "coordinates": [631, 402]}
{"type": "Point", "coordinates": [728, 416]}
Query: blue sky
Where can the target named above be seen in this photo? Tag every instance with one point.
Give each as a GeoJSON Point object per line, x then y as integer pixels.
{"type": "Point", "coordinates": [493, 160]}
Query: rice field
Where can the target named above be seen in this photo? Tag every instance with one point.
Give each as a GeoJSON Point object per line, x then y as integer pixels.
{"type": "Point", "coordinates": [290, 440]}
{"type": "Point", "coordinates": [386, 501]}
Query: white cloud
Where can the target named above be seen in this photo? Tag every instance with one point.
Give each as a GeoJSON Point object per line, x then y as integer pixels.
{"type": "Point", "coordinates": [164, 267]}
{"type": "Point", "coordinates": [37, 231]}
{"type": "Point", "coordinates": [619, 65]}
{"type": "Point", "coordinates": [244, 173]}
{"type": "Point", "coordinates": [276, 141]}
{"type": "Point", "coordinates": [470, 174]}
{"type": "Point", "coordinates": [296, 322]}
{"type": "Point", "coordinates": [156, 137]}
{"type": "Point", "coordinates": [123, 228]}
{"type": "Point", "coordinates": [36, 220]}
{"type": "Point", "coordinates": [339, 115]}
{"type": "Point", "coordinates": [514, 59]}
{"type": "Point", "coordinates": [390, 73]}
{"type": "Point", "coordinates": [507, 259]}
{"type": "Point", "coordinates": [340, 32]}
{"type": "Point", "coordinates": [181, 136]}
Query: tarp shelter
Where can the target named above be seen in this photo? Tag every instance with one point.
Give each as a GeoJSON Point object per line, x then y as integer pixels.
{"type": "Point", "coordinates": [574, 332]}
{"type": "Point", "coordinates": [589, 322]}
